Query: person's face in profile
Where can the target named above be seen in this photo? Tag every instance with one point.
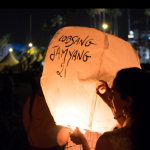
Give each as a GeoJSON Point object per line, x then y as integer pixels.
{"type": "Point", "coordinates": [117, 102]}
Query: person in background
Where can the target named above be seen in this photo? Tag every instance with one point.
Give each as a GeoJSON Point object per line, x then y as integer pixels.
{"type": "Point", "coordinates": [38, 122]}
{"type": "Point", "coordinates": [129, 100]}
{"type": "Point", "coordinates": [8, 101]}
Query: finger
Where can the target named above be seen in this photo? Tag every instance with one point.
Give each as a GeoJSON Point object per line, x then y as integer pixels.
{"type": "Point", "coordinates": [70, 132]}
{"type": "Point", "coordinates": [77, 128]}
{"type": "Point", "coordinates": [106, 86]}
{"type": "Point", "coordinates": [101, 89]}
{"type": "Point", "coordinates": [100, 82]}
{"type": "Point", "coordinates": [100, 86]}
{"type": "Point", "coordinates": [103, 82]}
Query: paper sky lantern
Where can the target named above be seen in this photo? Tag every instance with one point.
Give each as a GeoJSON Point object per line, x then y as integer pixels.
{"type": "Point", "coordinates": [77, 58]}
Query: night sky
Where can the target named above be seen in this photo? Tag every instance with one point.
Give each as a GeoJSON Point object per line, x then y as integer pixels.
{"type": "Point", "coordinates": [16, 22]}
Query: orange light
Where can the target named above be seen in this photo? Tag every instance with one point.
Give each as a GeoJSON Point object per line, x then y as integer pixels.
{"type": "Point", "coordinates": [105, 26]}
{"type": "Point", "coordinates": [73, 128]}
{"type": "Point", "coordinates": [76, 59]}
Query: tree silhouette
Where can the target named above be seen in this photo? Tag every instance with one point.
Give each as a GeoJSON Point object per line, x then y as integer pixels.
{"type": "Point", "coordinates": [114, 13]}
{"type": "Point", "coordinates": [58, 19]}
{"type": "Point", "coordinates": [92, 12]}
{"type": "Point", "coordinates": [6, 39]}
{"type": "Point", "coordinates": [67, 14]}
{"type": "Point", "coordinates": [46, 26]}
{"type": "Point", "coordinates": [99, 10]}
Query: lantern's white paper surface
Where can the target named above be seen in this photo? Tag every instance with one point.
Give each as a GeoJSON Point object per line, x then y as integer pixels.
{"type": "Point", "coordinates": [77, 58]}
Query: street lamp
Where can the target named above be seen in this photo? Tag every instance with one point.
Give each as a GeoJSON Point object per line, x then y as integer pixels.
{"type": "Point", "coordinates": [30, 44]}
{"type": "Point", "coordinates": [104, 26]}
{"type": "Point", "coordinates": [10, 49]}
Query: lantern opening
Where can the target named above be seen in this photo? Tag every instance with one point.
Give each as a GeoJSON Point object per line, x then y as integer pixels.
{"type": "Point", "coordinates": [83, 131]}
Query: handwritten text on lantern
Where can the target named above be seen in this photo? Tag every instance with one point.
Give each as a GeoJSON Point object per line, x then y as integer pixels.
{"type": "Point", "coordinates": [70, 54]}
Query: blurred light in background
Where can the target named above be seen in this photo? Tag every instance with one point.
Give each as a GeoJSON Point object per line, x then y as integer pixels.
{"type": "Point", "coordinates": [10, 49]}
{"type": "Point", "coordinates": [131, 34]}
{"type": "Point", "coordinates": [105, 26]}
{"type": "Point", "coordinates": [42, 63]}
{"type": "Point", "coordinates": [30, 44]}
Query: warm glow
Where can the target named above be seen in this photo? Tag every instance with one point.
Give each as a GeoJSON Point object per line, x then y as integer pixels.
{"type": "Point", "coordinates": [10, 49]}
{"type": "Point", "coordinates": [83, 131]}
{"type": "Point", "coordinates": [32, 50]}
{"type": "Point", "coordinates": [76, 59]}
{"type": "Point", "coordinates": [30, 44]}
{"type": "Point", "coordinates": [105, 26]}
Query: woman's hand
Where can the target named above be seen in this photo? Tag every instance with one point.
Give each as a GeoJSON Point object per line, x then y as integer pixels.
{"type": "Point", "coordinates": [103, 91]}
{"type": "Point", "coordinates": [77, 136]}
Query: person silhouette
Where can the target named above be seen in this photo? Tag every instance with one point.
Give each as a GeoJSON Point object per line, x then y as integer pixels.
{"type": "Point", "coordinates": [37, 120]}
{"type": "Point", "coordinates": [129, 100]}
{"type": "Point", "coordinates": [8, 102]}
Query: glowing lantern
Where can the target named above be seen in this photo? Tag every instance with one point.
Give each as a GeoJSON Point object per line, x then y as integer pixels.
{"type": "Point", "coordinates": [77, 58]}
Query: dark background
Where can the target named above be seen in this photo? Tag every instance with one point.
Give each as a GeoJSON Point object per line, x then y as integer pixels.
{"type": "Point", "coordinates": [17, 21]}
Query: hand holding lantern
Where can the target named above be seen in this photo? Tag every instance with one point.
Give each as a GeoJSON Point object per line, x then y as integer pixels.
{"type": "Point", "coordinates": [107, 95]}
{"type": "Point", "coordinates": [78, 138]}
{"type": "Point", "coordinates": [103, 91]}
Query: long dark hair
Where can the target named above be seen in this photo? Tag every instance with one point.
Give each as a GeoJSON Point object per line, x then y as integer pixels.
{"type": "Point", "coordinates": [135, 82]}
